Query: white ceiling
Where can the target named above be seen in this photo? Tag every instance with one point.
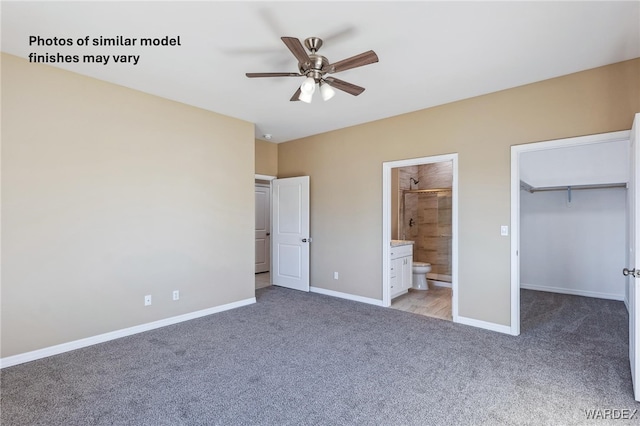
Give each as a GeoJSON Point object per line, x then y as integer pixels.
{"type": "Point", "coordinates": [431, 53]}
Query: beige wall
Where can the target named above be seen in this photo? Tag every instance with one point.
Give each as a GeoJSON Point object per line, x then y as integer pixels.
{"type": "Point", "coordinates": [266, 158]}
{"type": "Point", "coordinates": [109, 194]}
{"type": "Point", "coordinates": [345, 167]}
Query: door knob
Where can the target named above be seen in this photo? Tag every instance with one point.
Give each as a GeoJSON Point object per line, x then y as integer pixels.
{"type": "Point", "coordinates": [304, 240]}
{"type": "Point", "coordinates": [632, 272]}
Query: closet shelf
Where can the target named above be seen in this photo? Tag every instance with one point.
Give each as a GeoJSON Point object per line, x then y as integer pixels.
{"type": "Point", "coordinates": [532, 189]}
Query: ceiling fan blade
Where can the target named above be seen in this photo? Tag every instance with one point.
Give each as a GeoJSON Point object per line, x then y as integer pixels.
{"type": "Point", "coordinates": [272, 74]}
{"type": "Point", "coordinates": [339, 34]}
{"type": "Point", "coordinates": [296, 96]}
{"type": "Point", "coordinates": [351, 89]}
{"type": "Point", "coordinates": [365, 58]}
{"type": "Point", "coordinates": [271, 21]}
{"type": "Point", "coordinates": [297, 49]}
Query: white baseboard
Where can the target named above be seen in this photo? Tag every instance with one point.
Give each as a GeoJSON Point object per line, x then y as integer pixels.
{"type": "Point", "coordinates": [347, 296]}
{"type": "Point", "coordinates": [550, 289]}
{"type": "Point", "coordinates": [101, 338]}
{"type": "Point", "coordinates": [484, 324]}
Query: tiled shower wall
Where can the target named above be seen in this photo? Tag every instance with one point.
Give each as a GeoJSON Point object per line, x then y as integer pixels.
{"type": "Point", "coordinates": [426, 218]}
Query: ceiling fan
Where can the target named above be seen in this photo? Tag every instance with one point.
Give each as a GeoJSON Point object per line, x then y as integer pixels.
{"type": "Point", "coordinates": [316, 67]}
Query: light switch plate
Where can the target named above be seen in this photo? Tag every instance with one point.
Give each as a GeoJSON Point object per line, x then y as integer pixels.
{"type": "Point", "coordinates": [504, 230]}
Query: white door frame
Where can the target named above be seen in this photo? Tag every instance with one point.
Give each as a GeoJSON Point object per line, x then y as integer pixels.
{"type": "Point", "coordinates": [268, 178]}
{"type": "Point", "coordinates": [633, 256]}
{"type": "Point", "coordinates": [386, 224]}
{"type": "Point", "coordinates": [516, 150]}
{"type": "Point", "coordinates": [265, 188]}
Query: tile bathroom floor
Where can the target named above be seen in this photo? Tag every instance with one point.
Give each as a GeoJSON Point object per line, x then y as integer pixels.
{"type": "Point", "coordinates": [435, 302]}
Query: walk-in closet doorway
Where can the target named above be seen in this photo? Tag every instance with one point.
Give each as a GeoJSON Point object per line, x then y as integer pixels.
{"type": "Point", "coordinates": [569, 217]}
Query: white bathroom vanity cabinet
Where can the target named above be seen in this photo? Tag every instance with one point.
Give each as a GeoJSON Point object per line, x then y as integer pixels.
{"type": "Point", "coordinates": [401, 269]}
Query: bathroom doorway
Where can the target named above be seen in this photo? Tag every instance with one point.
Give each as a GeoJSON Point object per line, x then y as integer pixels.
{"type": "Point", "coordinates": [420, 209]}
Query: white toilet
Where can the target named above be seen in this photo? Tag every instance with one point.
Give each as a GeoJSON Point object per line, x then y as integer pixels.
{"type": "Point", "coordinates": [420, 270]}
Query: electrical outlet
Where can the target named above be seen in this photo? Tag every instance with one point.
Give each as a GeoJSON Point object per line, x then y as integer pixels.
{"type": "Point", "coordinates": [335, 275]}
{"type": "Point", "coordinates": [176, 294]}
{"type": "Point", "coordinates": [147, 300]}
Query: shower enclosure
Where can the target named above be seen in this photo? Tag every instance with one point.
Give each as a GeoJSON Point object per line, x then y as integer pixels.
{"type": "Point", "coordinates": [425, 217]}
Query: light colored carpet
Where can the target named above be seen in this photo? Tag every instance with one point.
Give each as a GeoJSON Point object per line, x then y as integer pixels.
{"type": "Point", "coordinates": [296, 358]}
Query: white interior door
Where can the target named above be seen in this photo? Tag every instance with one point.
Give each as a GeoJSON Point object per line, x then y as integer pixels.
{"type": "Point", "coordinates": [290, 233]}
{"type": "Point", "coordinates": [263, 246]}
{"type": "Point", "coordinates": [633, 262]}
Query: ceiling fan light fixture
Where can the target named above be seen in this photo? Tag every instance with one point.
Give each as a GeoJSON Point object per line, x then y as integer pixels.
{"type": "Point", "coordinates": [308, 86]}
{"type": "Point", "coordinates": [305, 97]}
{"type": "Point", "coordinates": [326, 91]}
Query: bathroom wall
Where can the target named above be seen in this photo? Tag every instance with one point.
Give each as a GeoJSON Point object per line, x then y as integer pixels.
{"type": "Point", "coordinates": [431, 214]}
{"type": "Point", "coordinates": [436, 175]}
{"type": "Point", "coordinates": [405, 232]}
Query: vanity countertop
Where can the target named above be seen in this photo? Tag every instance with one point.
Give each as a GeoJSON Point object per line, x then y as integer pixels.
{"type": "Point", "coordinates": [396, 243]}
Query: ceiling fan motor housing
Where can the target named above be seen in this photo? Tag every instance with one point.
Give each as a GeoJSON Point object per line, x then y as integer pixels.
{"type": "Point", "coordinates": [318, 64]}
{"type": "Point", "coordinates": [315, 68]}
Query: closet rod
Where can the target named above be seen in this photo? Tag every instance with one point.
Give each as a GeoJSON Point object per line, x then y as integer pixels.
{"type": "Point", "coordinates": [576, 187]}
{"type": "Point", "coordinates": [417, 191]}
